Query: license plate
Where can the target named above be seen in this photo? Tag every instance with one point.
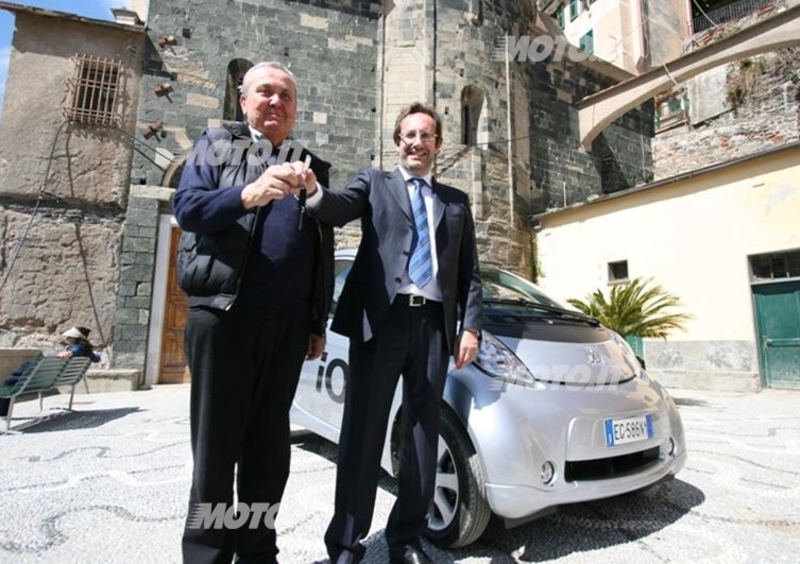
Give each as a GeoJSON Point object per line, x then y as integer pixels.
{"type": "Point", "coordinates": [630, 430]}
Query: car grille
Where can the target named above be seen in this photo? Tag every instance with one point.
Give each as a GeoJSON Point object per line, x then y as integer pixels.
{"type": "Point", "coordinates": [612, 467]}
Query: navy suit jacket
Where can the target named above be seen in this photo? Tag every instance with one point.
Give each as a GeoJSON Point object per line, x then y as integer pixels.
{"type": "Point", "coordinates": [380, 199]}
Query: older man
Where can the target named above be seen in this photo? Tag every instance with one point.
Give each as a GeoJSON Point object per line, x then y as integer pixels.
{"type": "Point", "coordinates": [259, 281]}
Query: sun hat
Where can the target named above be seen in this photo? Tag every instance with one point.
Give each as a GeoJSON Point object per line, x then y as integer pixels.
{"type": "Point", "coordinates": [77, 333]}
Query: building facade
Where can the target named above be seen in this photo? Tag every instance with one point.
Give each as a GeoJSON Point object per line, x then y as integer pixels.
{"type": "Point", "coordinates": [724, 240]}
{"type": "Point", "coordinates": [69, 114]}
{"type": "Point", "coordinates": [715, 227]}
{"type": "Point", "coordinates": [634, 35]}
{"type": "Point", "coordinates": [511, 141]}
{"type": "Point", "coordinates": [86, 186]}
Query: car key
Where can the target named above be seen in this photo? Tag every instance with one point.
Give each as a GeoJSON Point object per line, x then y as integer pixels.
{"type": "Point", "coordinates": [301, 200]}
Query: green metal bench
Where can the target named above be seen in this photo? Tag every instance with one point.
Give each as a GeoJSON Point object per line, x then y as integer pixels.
{"type": "Point", "coordinates": [42, 374]}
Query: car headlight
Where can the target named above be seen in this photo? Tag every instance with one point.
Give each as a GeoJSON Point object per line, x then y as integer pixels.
{"type": "Point", "coordinates": [497, 360]}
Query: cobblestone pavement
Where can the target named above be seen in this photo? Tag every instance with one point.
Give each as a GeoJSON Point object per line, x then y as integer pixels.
{"type": "Point", "coordinates": [108, 483]}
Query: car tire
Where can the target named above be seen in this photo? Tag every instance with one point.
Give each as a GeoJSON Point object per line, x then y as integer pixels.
{"type": "Point", "coordinates": [460, 511]}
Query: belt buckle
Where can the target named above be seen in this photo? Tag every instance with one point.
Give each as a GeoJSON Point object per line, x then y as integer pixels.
{"type": "Point", "coordinates": [416, 301]}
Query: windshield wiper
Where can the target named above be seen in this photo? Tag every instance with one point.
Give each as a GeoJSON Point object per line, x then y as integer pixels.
{"type": "Point", "coordinates": [560, 312]}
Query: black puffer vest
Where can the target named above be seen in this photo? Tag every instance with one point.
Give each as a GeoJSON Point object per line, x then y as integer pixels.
{"type": "Point", "coordinates": [210, 266]}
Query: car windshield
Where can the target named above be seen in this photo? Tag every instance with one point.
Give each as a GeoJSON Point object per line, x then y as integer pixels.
{"type": "Point", "coordinates": [500, 285]}
{"type": "Point", "coordinates": [507, 291]}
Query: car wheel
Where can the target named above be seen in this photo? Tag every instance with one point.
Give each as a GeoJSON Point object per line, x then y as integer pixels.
{"type": "Point", "coordinates": [460, 511]}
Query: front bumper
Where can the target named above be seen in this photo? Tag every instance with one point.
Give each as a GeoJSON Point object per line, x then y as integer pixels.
{"type": "Point", "coordinates": [516, 429]}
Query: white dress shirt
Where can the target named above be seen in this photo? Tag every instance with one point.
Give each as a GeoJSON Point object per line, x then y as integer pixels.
{"type": "Point", "coordinates": [431, 290]}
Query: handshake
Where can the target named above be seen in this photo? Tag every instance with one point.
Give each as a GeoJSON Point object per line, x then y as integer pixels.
{"type": "Point", "coordinates": [279, 181]}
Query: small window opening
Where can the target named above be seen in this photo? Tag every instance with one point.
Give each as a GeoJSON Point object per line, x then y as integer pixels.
{"type": "Point", "coordinates": [618, 271]}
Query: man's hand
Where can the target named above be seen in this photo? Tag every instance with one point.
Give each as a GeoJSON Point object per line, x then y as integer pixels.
{"type": "Point", "coordinates": [466, 348]}
{"type": "Point", "coordinates": [274, 184]}
{"type": "Point", "coordinates": [316, 346]}
{"type": "Point", "coordinates": [309, 181]}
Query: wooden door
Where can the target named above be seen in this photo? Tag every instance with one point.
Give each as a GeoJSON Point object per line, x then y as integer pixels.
{"type": "Point", "coordinates": [173, 368]}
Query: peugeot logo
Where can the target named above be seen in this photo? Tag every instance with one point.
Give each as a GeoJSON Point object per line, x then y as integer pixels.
{"type": "Point", "coordinates": [592, 356]}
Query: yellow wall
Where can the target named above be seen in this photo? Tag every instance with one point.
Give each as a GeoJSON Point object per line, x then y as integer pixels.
{"type": "Point", "coordinates": [693, 237]}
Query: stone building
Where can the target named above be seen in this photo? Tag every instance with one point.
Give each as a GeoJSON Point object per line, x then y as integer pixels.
{"type": "Point", "coordinates": [511, 140]}
{"type": "Point", "coordinates": [69, 117]}
{"type": "Point", "coordinates": [734, 110]}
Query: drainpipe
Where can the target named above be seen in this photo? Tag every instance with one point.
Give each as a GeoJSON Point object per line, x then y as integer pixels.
{"type": "Point", "coordinates": [638, 36]}
{"type": "Point", "coordinates": [381, 78]}
{"type": "Point", "coordinates": [510, 143]}
{"type": "Point", "coordinates": [430, 36]}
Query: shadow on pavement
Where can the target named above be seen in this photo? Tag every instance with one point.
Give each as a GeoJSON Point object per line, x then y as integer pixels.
{"type": "Point", "coordinates": [70, 420]}
{"type": "Point", "coordinates": [575, 528]}
{"type": "Point", "coordinates": [320, 446]}
{"type": "Point", "coordinates": [589, 526]}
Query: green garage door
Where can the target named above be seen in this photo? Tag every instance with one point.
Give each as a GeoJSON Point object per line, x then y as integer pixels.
{"type": "Point", "coordinates": [777, 308]}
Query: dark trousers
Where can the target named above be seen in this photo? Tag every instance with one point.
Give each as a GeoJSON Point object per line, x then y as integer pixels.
{"type": "Point", "coordinates": [245, 364]}
{"type": "Point", "coordinates": [411, 342]}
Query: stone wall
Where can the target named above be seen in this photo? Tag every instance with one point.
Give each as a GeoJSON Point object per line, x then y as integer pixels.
{"type": "Point", "coordinates": [330, 47]}
{"type": "Point", "coordinates": [735, 110]}
{"type": "Point", "coordinates": [63, 185]}
{"type": "Point", "coordinates": [566, 174]}
{"type": "Point", "coordinates": [134, 295]}
{"type": "Point", "coordinates": [711, 365]}
{"type": "Point", "coordinates": [357, 64]}
{"type": "Point", "coordinates": [64, 273]}
{"type": "Point", "coordinates": [767, 116]}
{"type": "Point", "coordinates": [496, 172]}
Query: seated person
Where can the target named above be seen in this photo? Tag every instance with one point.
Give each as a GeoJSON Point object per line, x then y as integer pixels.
{"type": "Point", "coordinates": [76, 341]}
{"type": "Point", "coordinates": [77, 344]}
{"type": "Point", "coordinates": [12, 379]}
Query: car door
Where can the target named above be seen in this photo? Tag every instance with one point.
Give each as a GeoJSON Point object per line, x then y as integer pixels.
{"type": "Point", "coordinates": [319, 400]}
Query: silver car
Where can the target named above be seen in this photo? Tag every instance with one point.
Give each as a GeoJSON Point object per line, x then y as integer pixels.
{"type": "Point", "coordinates": [556, 409]}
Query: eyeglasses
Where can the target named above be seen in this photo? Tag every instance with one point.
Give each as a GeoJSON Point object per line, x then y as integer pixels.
{"type": "Point", "coordinates": [424, 136]}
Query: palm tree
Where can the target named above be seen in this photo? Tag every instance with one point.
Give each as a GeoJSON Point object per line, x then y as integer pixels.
{"type": "Point", "coordinates": [635, 309]}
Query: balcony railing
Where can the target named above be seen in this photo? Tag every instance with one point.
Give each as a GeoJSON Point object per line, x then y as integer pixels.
{"type": "Point", "coordinates": [728, 13]}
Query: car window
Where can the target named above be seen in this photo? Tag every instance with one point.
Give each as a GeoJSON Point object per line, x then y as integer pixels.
{"type": "Point", "coordinates": [341, 269]}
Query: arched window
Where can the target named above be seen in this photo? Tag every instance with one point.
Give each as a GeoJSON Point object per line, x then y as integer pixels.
{"type": "Point", "coordinates": [172, 174]}
{"type": "Point", "coordinates": [471, 107]}
{"type": "Point", "coordinates": [236, 70]}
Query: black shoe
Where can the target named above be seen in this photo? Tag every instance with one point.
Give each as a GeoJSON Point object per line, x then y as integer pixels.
{"type": "Point", "coordinates": [410, 555]}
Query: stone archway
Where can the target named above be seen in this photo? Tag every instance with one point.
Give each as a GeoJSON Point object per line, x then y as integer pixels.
{"type": "Point", "coordinates": [600, 110]}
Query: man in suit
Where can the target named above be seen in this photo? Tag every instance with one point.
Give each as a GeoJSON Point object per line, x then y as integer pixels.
{"type": "Point", "coordinates": [413, 283]}
{"type": "Point", "coordinates": [259, 281]}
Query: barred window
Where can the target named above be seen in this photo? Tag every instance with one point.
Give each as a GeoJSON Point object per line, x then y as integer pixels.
{"type": "Point", "coordinates": [94, 91]}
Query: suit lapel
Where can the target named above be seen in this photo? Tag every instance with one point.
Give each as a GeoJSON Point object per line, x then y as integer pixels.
{"type": "Point", "coordinates": [397, 187]}
{"type": "Point", "coordinates": [438, 206]}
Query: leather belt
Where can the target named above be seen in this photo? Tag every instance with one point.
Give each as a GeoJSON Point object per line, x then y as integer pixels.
{"type": "Point", "coordinates": [413, 300]}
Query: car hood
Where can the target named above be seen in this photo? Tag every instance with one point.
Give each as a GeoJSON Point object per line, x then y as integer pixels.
{"type": "Point", "coordinates": [580, 362]}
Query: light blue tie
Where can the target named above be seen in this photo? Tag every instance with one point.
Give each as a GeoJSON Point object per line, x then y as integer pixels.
{"type": "Point", "coordinates": [420, 267]}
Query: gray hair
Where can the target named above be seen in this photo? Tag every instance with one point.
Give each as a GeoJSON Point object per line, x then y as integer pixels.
{"type": "Point", "coordinates": [266, 64]}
